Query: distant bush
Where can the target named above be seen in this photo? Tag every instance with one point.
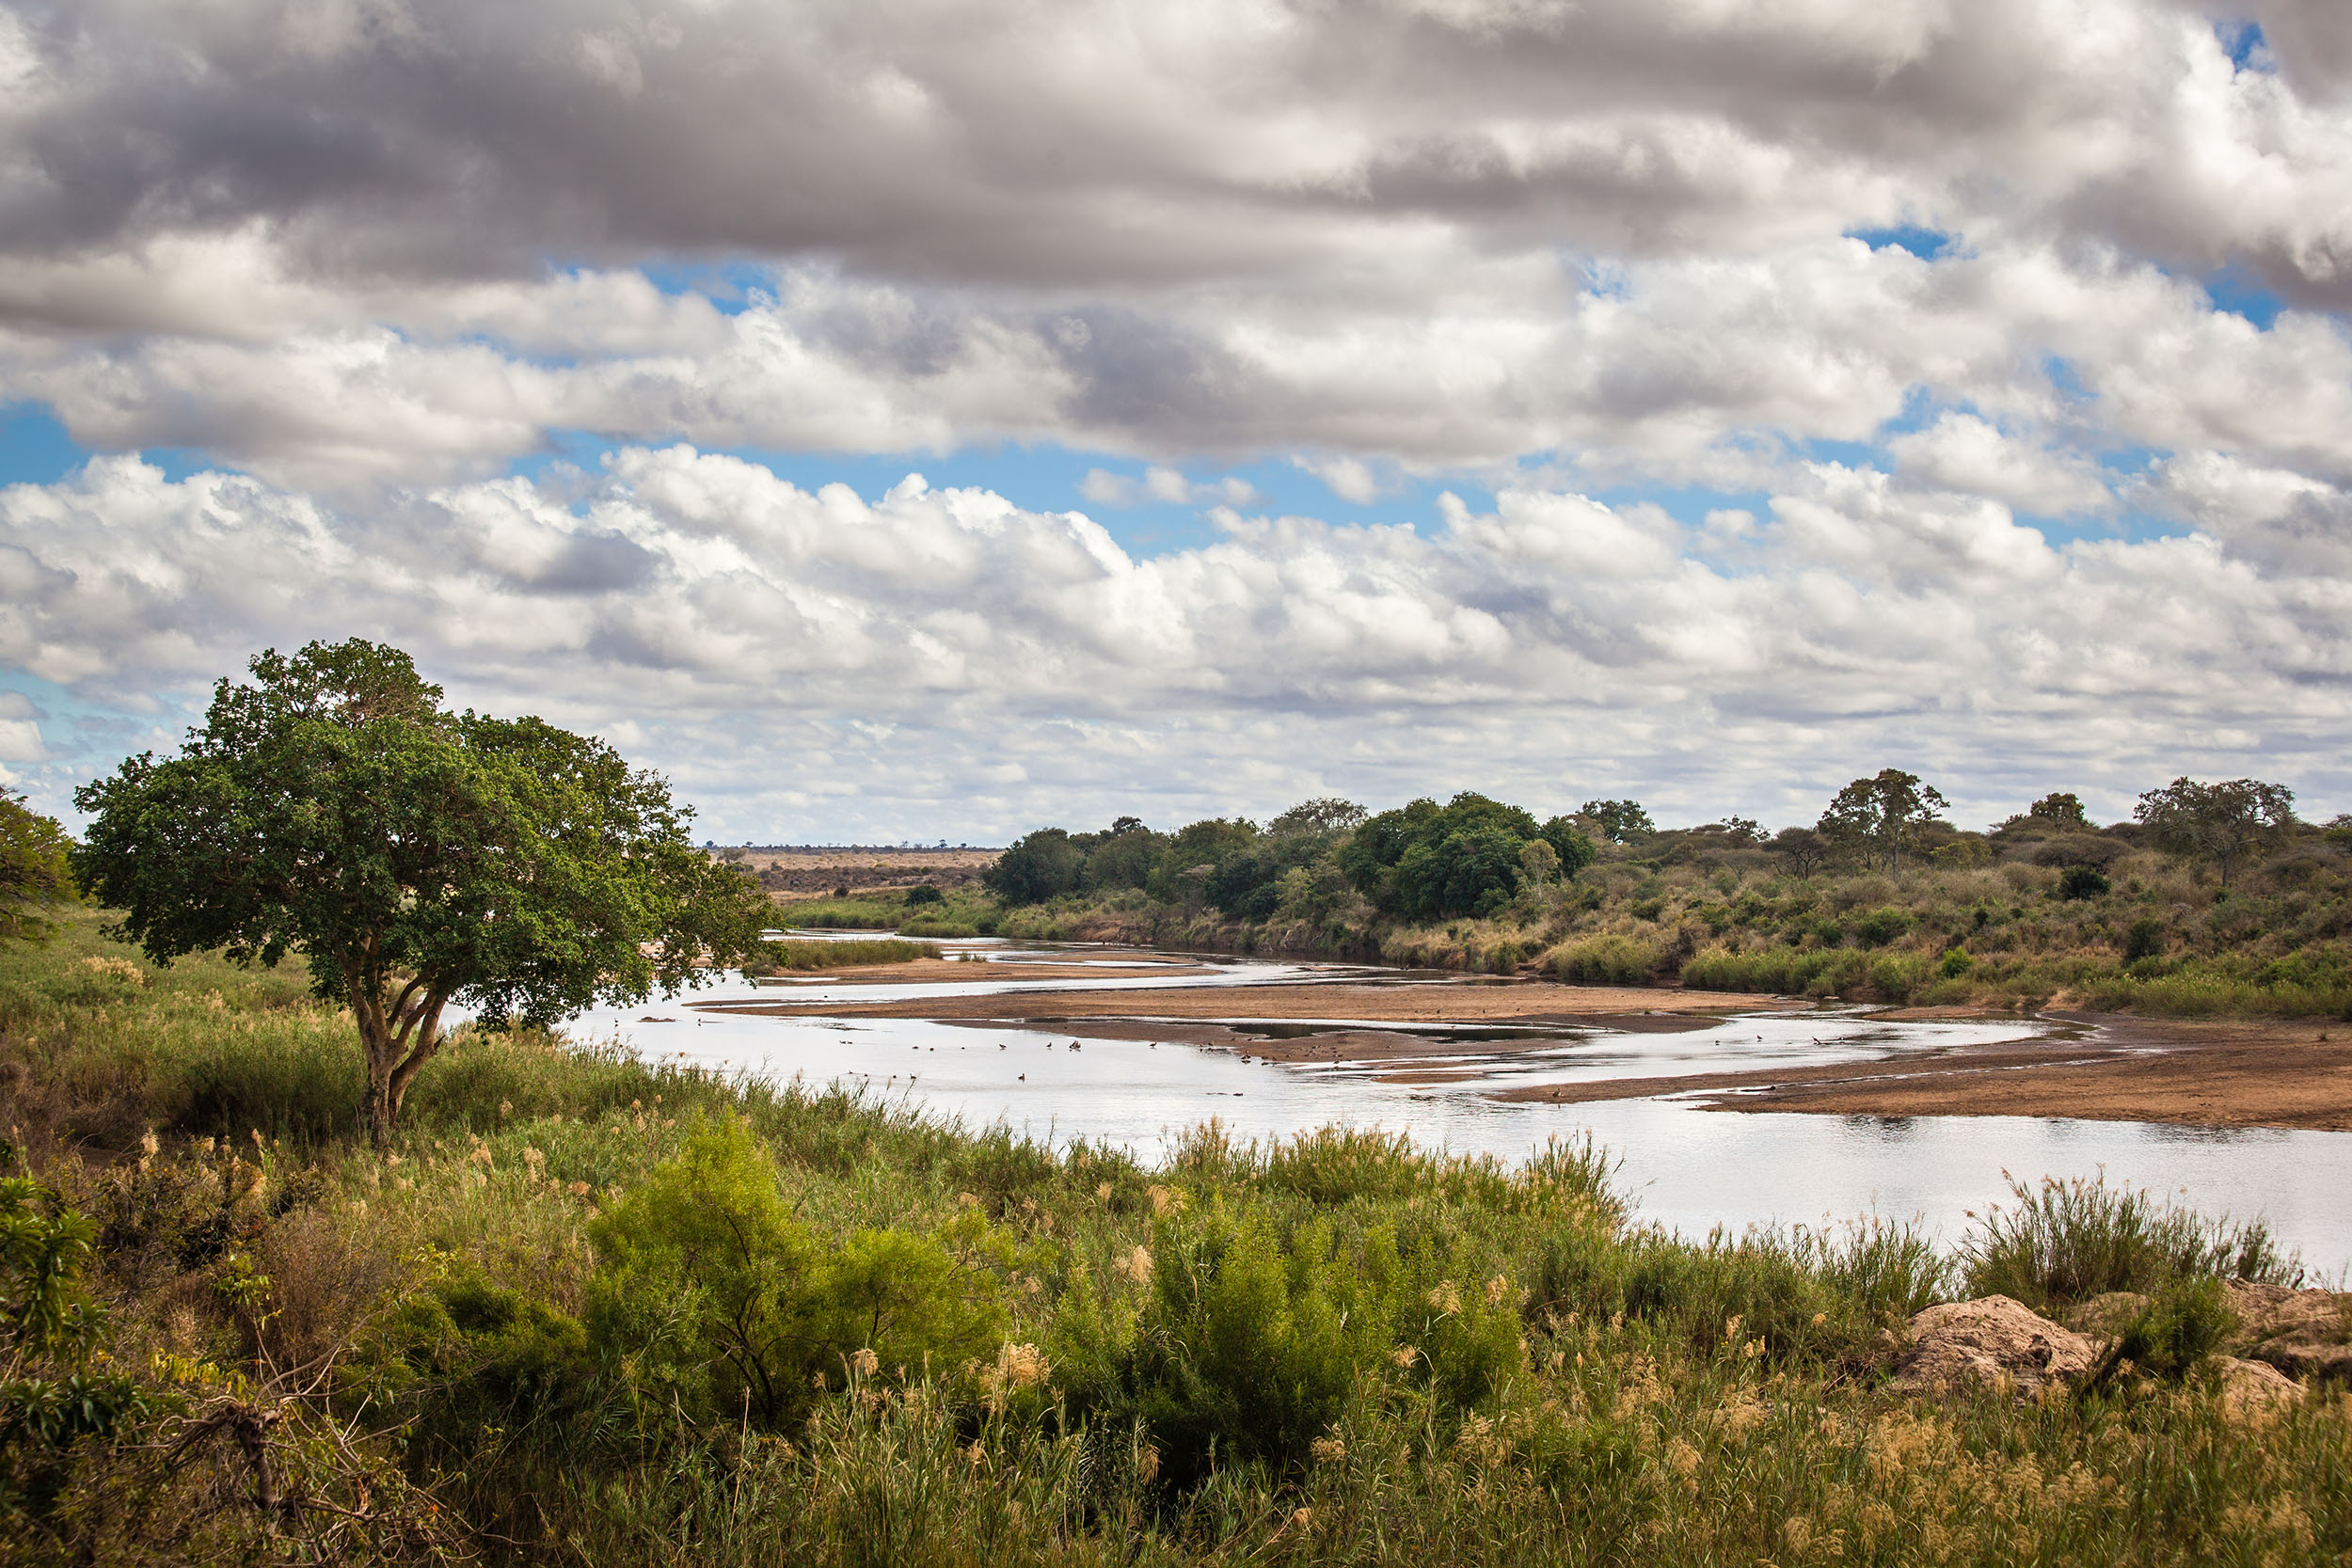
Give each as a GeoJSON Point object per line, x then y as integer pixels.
{"type": "Point", "coordinates": [848, 954]}
{"type": "Point", "coordinates": [1880, 926]}
{"type": "Point", "coordinates": [839, 915]}
{"type": "Point", "coordinates": [2078, 882]}
{"type": "Point", "coordinates": [1605, 960]}
{"type": "Point", "coordinates": [926, 893]}
{"type": "Point", "coordinates": [928, 928]}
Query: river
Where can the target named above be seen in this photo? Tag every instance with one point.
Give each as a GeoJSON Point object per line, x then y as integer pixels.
{"type": "Point", "coordinates": [1683, 1166]}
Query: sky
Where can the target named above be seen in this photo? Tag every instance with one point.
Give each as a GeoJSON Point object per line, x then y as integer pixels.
{"type": "Point", "coordinates": [900, 421]}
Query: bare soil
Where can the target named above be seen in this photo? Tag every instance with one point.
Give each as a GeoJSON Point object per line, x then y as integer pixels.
{"type": "Point", "coordinates": [2186, 1072]}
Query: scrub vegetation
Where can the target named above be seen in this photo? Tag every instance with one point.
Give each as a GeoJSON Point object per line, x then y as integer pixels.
{"type": "Point", "coordinates": [2215, 899]}
{"type": "Point", "coordinates": [585, 1309]}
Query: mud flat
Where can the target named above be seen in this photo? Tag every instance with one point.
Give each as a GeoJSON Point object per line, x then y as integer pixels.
{"type": "Point", "coordinates": [2189, 1073]}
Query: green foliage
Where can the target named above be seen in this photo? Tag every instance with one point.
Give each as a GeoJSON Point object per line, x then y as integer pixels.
{"type": "Point", "coordinates": [943, 930]}
{"type": "Point", "coordinates": [1036, 867]}
{"type": "Point", "coordinates": [1427, 862]}
{"type": "Point", "coordinates": [1880, 818]}
{"type": "Point", "coordinates": [723, 1304]}
{"type": "Point", "coordinates": [1618, 821]}
{"type": "Point", "coordinates": [1880, 926]}
{"type": "Point", "coordinates": [1254, 1343]}
{"type": "Point", "coordinates": [2063, 810]}
{"type": "Point", "coordinates": [35, 874]}
{"type": "Point", "coordinates": [2170, 1338]}
{"type": "Point", "coordinates": [2065, 1241]}
{"type": "Point", "coordinates": [844, 915]}
{"type": "Point", "coordinates": [925, 894]}
{"type": "Point", "coordinates": [413, 856]}
{"type": "Point", "coordinates": [53, 1392]}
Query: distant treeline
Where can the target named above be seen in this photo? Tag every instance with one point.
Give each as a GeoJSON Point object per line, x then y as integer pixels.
{"type": "Point", "coordinates": [2213, 898]}
{"type": "Point", "coordinates": [1473, 855]}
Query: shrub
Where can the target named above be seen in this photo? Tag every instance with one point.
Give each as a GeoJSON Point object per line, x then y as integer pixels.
{"type": "Point", "coordinates": [726, 1305]}
{"type": "Point", "coordinates": [2170, 1338]}
{"type": "Point", "coordinates": [926, 893]}
{"type": "Point", "coordinates": [2078, 882]}
{"type": "Point", "coordinates": [2145, 940]}
{"type": "Point", "coordinates": [1246, 1350]}
{"type": "Point", "coordinates": [1880, 926]}
{"type": "Point", "coordinates": [2066, 1242]}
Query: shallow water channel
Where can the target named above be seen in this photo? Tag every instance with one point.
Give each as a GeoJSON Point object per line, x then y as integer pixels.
{"type": "Point", "coordinates": [1685, 1167]}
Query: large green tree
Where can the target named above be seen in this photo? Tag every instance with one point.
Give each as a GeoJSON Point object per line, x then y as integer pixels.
{"type": "Point", "coordinates": [2225, 823]}
{"type": "Point", "coordinates": [412, 856]}
{"type": "Point", "coordinates": [34, 872]}
{"type": "Point", "coordinates": [1878, 818]}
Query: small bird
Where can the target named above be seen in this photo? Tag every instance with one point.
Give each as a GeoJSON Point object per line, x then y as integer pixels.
{"type": "Point", "coordinates": [1024, 1078]}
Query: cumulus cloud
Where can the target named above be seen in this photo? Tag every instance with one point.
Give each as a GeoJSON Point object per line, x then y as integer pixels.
{"type": "Point", "coordinates": [1158, 484]}
{"type": "Point", "coordinates": [1855, 284]}
{"type": "Point", "coordinates": [820, 661]}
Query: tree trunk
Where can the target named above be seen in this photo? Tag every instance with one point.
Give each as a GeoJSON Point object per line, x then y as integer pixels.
{"type": "Point", "coordinates": [396, 1040]}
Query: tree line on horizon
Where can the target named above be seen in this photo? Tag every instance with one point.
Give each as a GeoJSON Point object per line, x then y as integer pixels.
{"type": "Point", "coordinates": [1473, 855]}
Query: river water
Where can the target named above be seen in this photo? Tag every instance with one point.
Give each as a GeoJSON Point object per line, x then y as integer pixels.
{"type": "Point", "coordinates": [1683, 1166]}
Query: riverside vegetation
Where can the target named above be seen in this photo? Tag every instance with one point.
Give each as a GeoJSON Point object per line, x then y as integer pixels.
{"type": "Point", "coordinates": [2213, 900]}
{"type": "Point", "coordinates": [585, 1308]}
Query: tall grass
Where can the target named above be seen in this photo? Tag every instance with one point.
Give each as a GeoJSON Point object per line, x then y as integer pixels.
{"type": "Point", "coordinates": [2058, 1243]}
{"type": "Point", "coordinates": [842, 953]}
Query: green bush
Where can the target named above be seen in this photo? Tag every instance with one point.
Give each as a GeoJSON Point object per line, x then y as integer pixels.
{"type": "Point", "coordinates": [726, 1306]}
{"type": "Point", "coordinates": [2080, 883]}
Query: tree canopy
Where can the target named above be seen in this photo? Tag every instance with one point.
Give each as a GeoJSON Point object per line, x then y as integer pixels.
{"type": "Point", "coordinates": [413, 856]}
{"type": "Point", "coordinates": [33, 871]}
{"type": "Point", "coordinates": [1883, 816]}
{"type": "Point", "coordinates": [1618, 821]}
{"type": "Point", "coordinates": [1425, 861]}
{"type": "Point", "coordinates": [2223, 822]}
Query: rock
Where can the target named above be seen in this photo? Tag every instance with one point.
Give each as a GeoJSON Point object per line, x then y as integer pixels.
{"type": "Point", "coordinates": [2103, 1317]}
{"type": "Point", "coordinates": [1995, 1341]}
{"type": "Point", "coordinates": [2304, 1334]}
{"type": "Point", "coordinates": [2249, 1388]}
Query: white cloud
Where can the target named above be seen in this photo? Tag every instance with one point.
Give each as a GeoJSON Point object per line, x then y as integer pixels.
{"type": "Point", "coordinates": [1963, 452]}
{"type": "Point", "coordinates": [820, 663]}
